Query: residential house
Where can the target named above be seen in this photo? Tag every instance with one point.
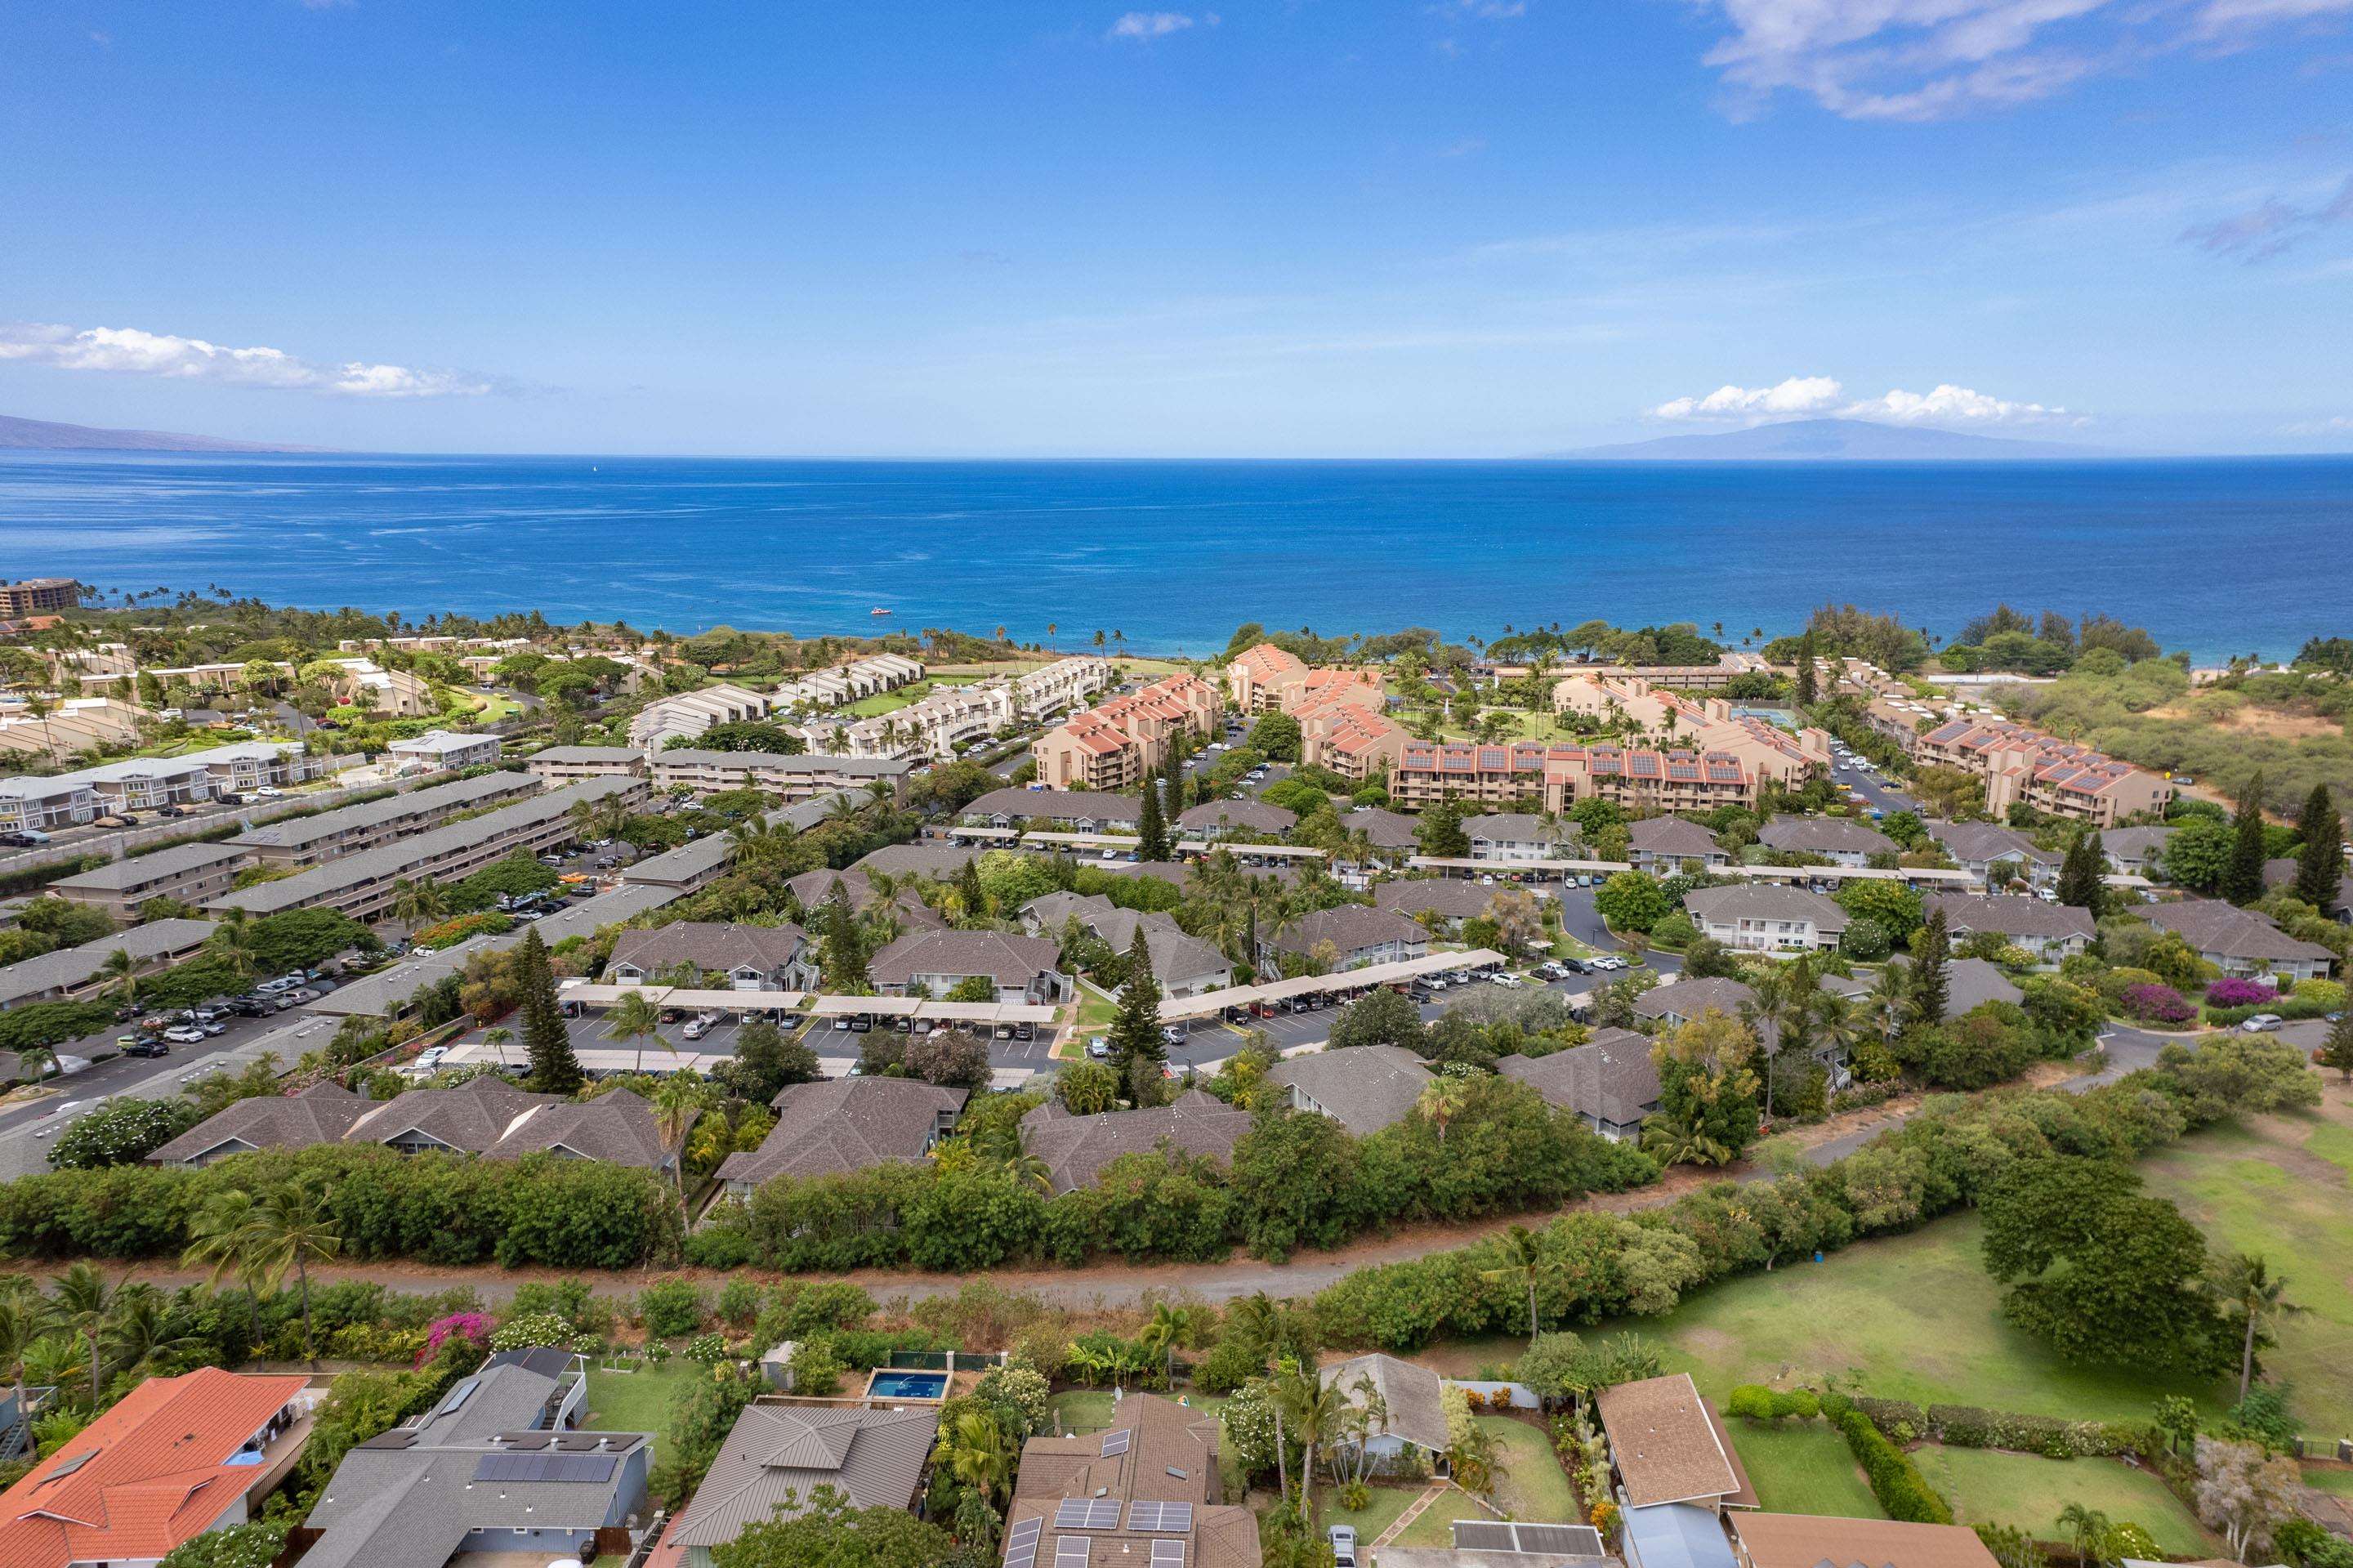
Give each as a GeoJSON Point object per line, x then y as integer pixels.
{"type": "Point", "coordinates": [1078, 811]}
{"type": "Point", "coordinates": [1075, 1149]}
{"type": "Point", "coordinates": [933, 963]}
{"type": "Point", "coordinates": [1808, 1540]}
{"type": "Point", "coordinates": [1663, 845]}
{"type": "Point", "coordinates": [2241, 942]}
{"type": "Point", "coordinates": [933, 861]}
{"type": "Point", "coordinates": [1969, 983]}
{"type": "Point", "coordinates": [868, 677]}
{"type": "Point", "coordinates": [1346, 937]}
{"type": "Point", "coordinates": [188, 874]}
{"type": "Point", "coordinates": [1610, 1080]}
{"type": "Point", "coordinates": [1515, 837]}
{"type": "Point", "coordinates": [1147, 1489]}
{"type": "Point", "coordinates": [1756, 917]}
{"type": "Point", "coordinates": [1220, 818]}
{"type": "Point", "coordinates": [838, 1125]}
{"type": "Point", "coordinates": [441, 750]}
{"type": "Point", "coordinates": [2019, 764]}
{"type": "Point", "coordinates": [1447, 900]}
{"type": "Point", "coordinates": [493, 1469]}
{"type": "Point", "coordinates": [556, 765]}
{"type": "Point", "coordinates": [174, 1458]}
{"type": "Point", "coordinates": [778, 1454]}
{"type": "Point", "coordinates": [488, 1115]}
{"type": "Point", "coordinates": [1992, 853]}
{"type": "Point", "coordinates": [2280, 873]}
{"type": "Point", "coordinates": [750, 957]}
{"type": "Point", "coordinates": [1408, 1403]}
{"type": "Point", "coordinates": [2136, 851]}
{"type": "Point", "coordinates": [320, 1113]}
{"type": "Point", "coordinates": [812, 888]}
{"type": "Point", "coordinates": [1841, 840]}
{"type": "Point", "coordinates": [2049, 931]}
{"type": "Point", "coordinates": [1667, 1447]}
{"type": "Point", "coordinates": [70, 727]}
{"type": "Point", "coordinates": [1678, 1003]}
{"type": "Point", "coordinates": [1064, 683]}
{"type": "Point", "coordinates": [1389, 832]}
{"type": "Point", "coordinates": [1363, 1088]}
{"type": "Point", "coordinates": [45, 805]}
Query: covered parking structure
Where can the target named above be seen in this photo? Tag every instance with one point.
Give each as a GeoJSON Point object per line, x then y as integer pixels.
{"type": "Point", "coordinates": [1212, 1005]}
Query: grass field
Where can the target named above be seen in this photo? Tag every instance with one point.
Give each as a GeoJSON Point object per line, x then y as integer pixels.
{"type": "Point", "coordinates": [1989, 1488]}
{"type": "Point", "coordinates": [1803, 1466]}
{"type": "Point", "coordinates": [1529, 1485]}
{"type": "Point", "coordinates": [2323, 1478]}
{"type": "Point", "coordinates": [1379, 1512]}
{"type": "Point", "coordinates": [1090, 1409]}
{"type": "Point", "coordinates": [635, 1401]}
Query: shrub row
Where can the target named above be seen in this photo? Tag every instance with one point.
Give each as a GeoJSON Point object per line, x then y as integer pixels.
{"type": "Point", "coordinates": [1759, 1403]}
{"type": "Point", "coordinates": [1904, 1493]}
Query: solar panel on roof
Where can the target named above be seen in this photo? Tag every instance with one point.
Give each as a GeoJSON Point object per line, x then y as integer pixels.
{"type": "Point", "coordinates": [1115, 1442]}
{"type": "Point", "coordinates": [1565, 1540]}
{"type": "Point", "coordinates": [1167, 1554]}
{"type": "Point", "coordinates": [1021, 1544]}
{"type": "Point", "coordinates": [560, 1467]}
{"type": "Point", "coordinates": [1071, 1552]}
{"type": "Point", "coordinates": [1482, 1535]}
{"type": "Point", "coordinates": [1158, 1515]}
{"type": "Point", "coordinates": [1087, 1513]}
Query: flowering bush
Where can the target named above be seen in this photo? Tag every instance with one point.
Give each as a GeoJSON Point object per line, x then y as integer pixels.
{"type": "Point", "coordinates": [2157, 1003]}
{"type": "Point", "coordinates": [2234, 992]}
{"type": "Point", "coordinates": [474, 1326]}
{"type": "Point", "coordinates": [708, 1348]}
{"type": "Point", "coordinates": [450, 933]}
{"type": "Point", "coordinates": [531, 1330]}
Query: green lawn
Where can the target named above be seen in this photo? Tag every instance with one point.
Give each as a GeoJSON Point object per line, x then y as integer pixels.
{"type": "Point", "coordinates": [2284, 1189]}
{"type": "Point", "coordinates": [635, 1401]}
{"type": "Point", "coordinates": [1803, 1466]}
{"type": "Point", "coordinates": [1080, 1410]}
{"type": "Point", "coordinates": [1529, 1485]}
{"type": "Point", "coordinates": [2321, 1478]}
{"type": "Point", "coordinates": [886, 701]}
{"type": "Point", "coordinates": [1986, 1486]}
{"type": "Point", "coordinates": [1379, 1512]}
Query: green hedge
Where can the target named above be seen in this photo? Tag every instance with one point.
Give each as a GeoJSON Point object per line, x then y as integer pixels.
{"type": "Point", "coordinates": [1904, 1493]}
{"type": "Point", "coordinates": [2287, 1007]}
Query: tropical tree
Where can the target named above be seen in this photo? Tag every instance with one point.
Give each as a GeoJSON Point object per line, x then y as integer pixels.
{"type": "Point", "coordinates": [1312, 1410]}
{"type": "Point", "coordinates": [1528, 1258]}
{"type": "Point", "coordinates": [119, 978]}
{"type": "Point", "coordinates": [216, 1240]}
{"type": "Point", "coordinates": [498, 1040]}
{"type": "Point", "coordinates": [291, 1228]}
{"type": "Point", "coordinates": [25, 1318]}
{"type": "Point", "coordinates": [1170, 1327]}
{"type": "Point", "coordinates": [416, 903]}
{"type": "Point", "coordinates": [145, 1329]}
{"type": "Point", "coordinates": [978, 1454]}
{"type": "Point", "coordinates": [2248, 1291]}
{"type": "Point", "coordinates": [634, 1019]}
{"type": "Point", "coordinates": [83, 1300]}
{"type": "Point", "coordinates": [2085, 1529]}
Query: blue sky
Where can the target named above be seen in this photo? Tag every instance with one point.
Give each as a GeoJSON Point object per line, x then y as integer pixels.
{"type": "Point", "coordinates": [1474, 227]}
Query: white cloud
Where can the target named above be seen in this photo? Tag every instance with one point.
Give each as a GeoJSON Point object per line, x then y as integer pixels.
{"type": "Point", "coordinates": [1798, 395]}
{"type": "Point", "coordinates": [1928, 60]}
{"type": "Point", "coordinates": [1803, 395]}
{"type": "Point", "coordinates": [131, 352]}
{"type": "Point", "coordinates": [1149, 25]}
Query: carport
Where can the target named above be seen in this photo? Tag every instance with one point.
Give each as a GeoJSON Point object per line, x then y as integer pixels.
{"type": "Point", "coordinates": [690, 998]}
{"type": "Point", "coordinates": [1458, 865]}
{"type": "Point", "coordinates": [1212, 1004]}
{"type": "Point", "coordinates": [1081, 840]}
{"type": "Point", "coordinates": [1002, 836]}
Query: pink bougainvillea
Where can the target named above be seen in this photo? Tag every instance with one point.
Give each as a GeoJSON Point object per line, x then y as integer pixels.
{"type": "Point", "coordinates": [2235, 993]}
{"type": "Point", "coordinates": [474, 1326]}
{"type": "Point", "coordinates": [2157, 1004]}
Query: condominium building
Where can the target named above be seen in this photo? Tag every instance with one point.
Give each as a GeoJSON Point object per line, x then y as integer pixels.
{"type": "Point", "coordinates": [38, 596]}
{"type": "Point", "coordinates": [74, 971]}
{"type": "Point", "coordinates": [42, 804]}
{"type": "Point", "coordinates": [1702, 725]}
{"type": "Point", "coordinates": [570, 764]}
{"type": "Point", "coordinates": [70, 727]}
{"type": "Point", "coordinates": [1265, 679]}
{"type": "Point", "coordinates": [941, 723]}
{"type": "Point", "coordinates": [441, 750]}
{"type": "Point", "coordinates": [362, 886]}
{"type": "Point", "coordinates": [187, 873]}
{"type": "Point", "coordinates": [1113, 746]}
{"type": "Point", "coordinates": [1064, 683]}
{"type": "Point", "coordinates": [1640, 781]}
{"type": "Point", "coordinates": [144, 783]}
{"type": "Point", "coordinates": [1429, 771]}
{"type": "Point", "coordinates": [301, 841]}
{"type": "Point", "coordinates": [1360, 744]}
{"type": "Point", "coordinates": [834, 688]}
{"type": "Point", "coordinates": [798, 776]}
{"type": "Point", "coordinates": [690, 712]}
{"type": "Point", "coordinates": [2061, 779]}
{"type": "Point", "coordinates": [384, 693]}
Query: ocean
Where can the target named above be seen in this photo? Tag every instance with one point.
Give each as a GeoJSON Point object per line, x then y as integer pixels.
{"type": "Point", "coordinates": [2217, 556]}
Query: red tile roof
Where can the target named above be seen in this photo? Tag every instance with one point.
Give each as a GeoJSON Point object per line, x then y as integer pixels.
{"type": "Point", "coordinates": [146, 1476]}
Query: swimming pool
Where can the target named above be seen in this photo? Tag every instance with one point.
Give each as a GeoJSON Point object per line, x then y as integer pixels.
{"type": "Point", "coordinates": [901, 1383]}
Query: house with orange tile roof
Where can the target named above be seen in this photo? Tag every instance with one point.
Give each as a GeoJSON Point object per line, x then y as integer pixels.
{"type": "Point", "coordinates": [1111, 745]}
{"type": "Point", "coordinates": [176, 1458]}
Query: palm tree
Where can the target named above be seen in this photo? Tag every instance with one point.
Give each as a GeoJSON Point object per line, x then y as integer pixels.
{"type": "Point", "coordinates": [24, 1320]}
{"type": "Point", "coordinates": [2249, 1291]}
{"type": "Point", "coordinates": [217, 1237]}
{"type": "Point", "coordinates": [232, 942]}
{"type": "Point", "coordinates": [291, 1228]}
{"type": "Point", "coordinates": [1170, 1327]}
{"type": "Point", "coordinates": [979, 1455]}
{"type": "Point", "coordinates": [119, 977]}
{"type": "Point", "coordinates": [416, 903]}
{"type": "Point", "coordinates": [756, 840]}
{"type": "Point", "coordinates": [497, 1039]}
{"type": "Point", "coordinates": [1442, 1100]}
{"type": "Point", "coordinates": [145, 1328]}
{"type": "Point", "coordinates": [83, 1299]}
{"type": "Point", "coordinates": [36, 1062]}
{"type": "Point", "coordinates": [1313, 1408]}
{"type": "Point", "coordinates": [635, 1019]}
{"type": "Point", "coordinates": [2087, 1530]}
{"type": "Point", "coordinates": [1525, 1259]}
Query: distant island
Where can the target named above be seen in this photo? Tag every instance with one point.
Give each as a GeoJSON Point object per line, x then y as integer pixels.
{"type": "Point", "coordinates": [42, 435]}
{"type": "Point", "coordinates": [1832, 440]}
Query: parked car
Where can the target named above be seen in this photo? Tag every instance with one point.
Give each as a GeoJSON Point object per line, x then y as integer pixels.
{"type": "Point", "coordinates": [431, 1057]}
{"type": "Point", "coordinates": [2262, 1023]}
{"type": "Point", "coordinates": [136, 1045]}
{"type": "Point", "coordinates": [184, 1034]}
{"type": "Point", "coordinates": [1099, 1048]}
{"type": "Point", "coordinates": [698, 1026]}
{"type": "Point", "coordinates": [1344, 1545]}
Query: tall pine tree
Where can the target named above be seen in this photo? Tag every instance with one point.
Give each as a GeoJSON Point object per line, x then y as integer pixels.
{"type": "Point", "coordinates": [554, 1070]}
{"type": "Point", "coordinates": [1151, 827]}
{"type": "Point", "coordinates": [1137, 1048]}
{"type": "Point", "coordinates": [841, 957]}
{"type": "Point", "coordinates": [1931, 983]}
{"type": "Point", "coordinates": [2243, 876]}
{"type": "Point", "coordinates": [2080, 873]}
{"type": "Point", "coordinates": [1806, 692]}
{"type": "Point", "coordinates": [2320, 862]}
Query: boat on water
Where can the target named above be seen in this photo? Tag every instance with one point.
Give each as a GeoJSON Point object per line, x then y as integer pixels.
{"type": "Point", "coordinates": [878, 610]}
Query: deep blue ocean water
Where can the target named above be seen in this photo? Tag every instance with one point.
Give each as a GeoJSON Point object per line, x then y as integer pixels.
{"type": "Point", "coordinates": [2217, 556]}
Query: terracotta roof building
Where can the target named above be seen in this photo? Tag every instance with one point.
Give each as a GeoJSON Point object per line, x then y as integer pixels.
{"type": "Point", "coordinates": [1809, 1541]}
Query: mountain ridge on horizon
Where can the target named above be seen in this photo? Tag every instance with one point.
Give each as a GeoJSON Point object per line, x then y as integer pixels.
{"type": "Point", "coordinates": [44, 435]}
{"type": "Point", "coordinates": [1834, 440]}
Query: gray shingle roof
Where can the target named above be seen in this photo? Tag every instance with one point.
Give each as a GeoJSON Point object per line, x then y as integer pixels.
{"type": "Point", "coordinates": [177, 860]}
{"type": "Point", "coordinates": [458, 796]}
{"type": "Point", "coordinates": [1256, 816]}
{"type": "Point", "coordinates": [1677, 836]}
{"type": "Point", "coordinates": [2212, 926]}
{"type": "Point", "coordinates": [1610, 1077]}
{"type": "Point", "coordinates": [1092, 804]}
{"type": "Point", "coordinates": [1760, 901]}
{"type": "Point", "coordinates": [1348, 928]}
{"type": "Point", "coordinates": [1988, 842]}
{"type": "Point", "coordinates": [1454, 897]}
{"type": "Point", "coordinates": [1008, 959]}
{"type": "Point", "coordinates": [846, 1124]}
{"type": "Point", "coordinates": [70, 967]}
{"type": "Point", "coordinates": [2134, 843]}
{"type": "Point", "coordinates": [1414, 1396]}
{"type": "Point", "coordinates": [1690, 998]}
{"type": "Point", "coordinates": [1363, 1088]}
{"type": "Point", "coordinates": [708, 945]}
{"type": "Point", "coordinates": [1387, 828]}
{"type": "Point", "coordinates": [1076, 1147]}
{"type": "Point", "coordinates": [2011, 914]}
{"type": "Point", "coordinates": [617, 1126]}
{"type": "Point", "coordinates": [1825, 836]}
{"type": "Point", "coordinates": [935, 861]}
{"type": "Point", "coordinates": [1517, 827]}
{"type": "Point", "coordinates": [320, 1113]}
{"type": "Point", "coordinates": [777, 1454]}
{"type": "Point", "coordinates": [472, 1117]}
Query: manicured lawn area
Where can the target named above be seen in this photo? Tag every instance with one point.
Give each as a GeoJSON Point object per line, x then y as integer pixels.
{"type": "Point", "coordinates": [1986, 1486]}
{"type": "Point", "coordinates": [1380, 1511]}
{"type": "Point", "coordinates": [1529, 1485]}
{"type": "Point", "coordinates": [635, 1401]}
{"type": "Point", "coordinates": [2321, 1478]}
{"type": "Point", "coordinates": [1803, 1466]}
{"type": "Point", "coordinates": [886, 701]}
{"type": "Point", "coordinates": [2283, 1188]}
{"type": "Point", "coordinates": [1090, 1409]}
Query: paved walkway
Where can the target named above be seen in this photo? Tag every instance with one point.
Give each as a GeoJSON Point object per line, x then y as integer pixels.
{"type": "Point", "coordinates": [1414, 1510]}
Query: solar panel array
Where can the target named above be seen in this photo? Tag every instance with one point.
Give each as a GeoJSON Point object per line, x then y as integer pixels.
{"type": "Point", "coordinates": [1070, 1551]}
{"type": "Point", "coordinates": [1167, 1554]}
{"type": "Point", "coordinates": [544, 1468]}
{"type": "Point", "coordinates": [1505, 1535]}
{"type": "Point", "coordinates": [1087, 1513]}
{"type": "Point", "coordinates": [1156, 1516]}
{"type": "Point", "coordinates": [1115, 1442]}
{"type": "Point", "coordinates": [1021, 1544]}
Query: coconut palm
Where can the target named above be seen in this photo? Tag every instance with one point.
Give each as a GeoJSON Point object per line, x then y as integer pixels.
{"type": "Point", "coordinates": [416, 903]}
{"type": "Point", "coordinates": [232, 943]}
{"type": "Point", "coordinates": [82, 1301]}
{"type": "Point", "coordinates": [2087, 1530]}
{"type": "Point", "coordinates": [756, 840]}
{"type": "Point", "coordinates": [497, 1039]}
{"type": "Point", "coordinates": [1442, 1100]}
{"type": "Point", "coordinates": [216, 1239]}
{"type": "Point", "coordinates": [2248, 1290]}
{"type": "Point", "coordinates": [978, 1454]}
{"type": "Point", "coordinates": [1525, 1260]}
{"type": "Point", "coordinates": [1313, 1408]}
{"type": "Point", "coordinates": [634, 1019]}
{"type": "Point", "coordinates": [291, 1228]}
{"type": "Point", "coordinates": [1170, 1326]}
{"type": "Point", "coordinates": [145, 1329]}
{"type": "Point", "coordinates": [36, 1062]}
{"type": "Point", "coordinates": [25, 1318]}
{"type": "Point", "coordinates": [119, 977]}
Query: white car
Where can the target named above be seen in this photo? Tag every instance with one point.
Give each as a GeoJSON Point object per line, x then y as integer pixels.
{"type": "Point", "coordinates": [1510, 982]}
{"type": "Point", "coordinates": [270, 791]}
{"type": "Point", "coordinates": [184, 1034]}
{"type": "Point", "coordinates": [2262, 1023]}
{"type": "Point", "coordinates": [431, 1059]}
